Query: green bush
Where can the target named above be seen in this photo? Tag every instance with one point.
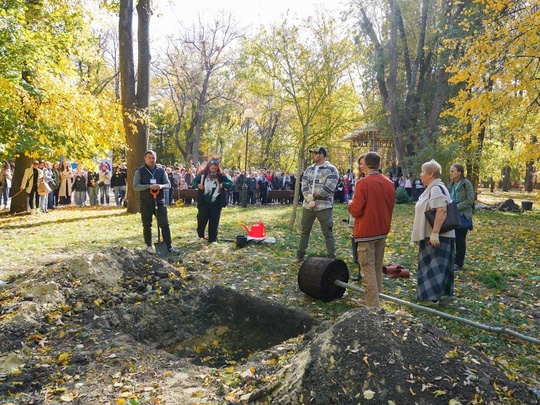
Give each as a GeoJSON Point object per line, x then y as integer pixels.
{"type": "Point", "coordinates": [402, 197]}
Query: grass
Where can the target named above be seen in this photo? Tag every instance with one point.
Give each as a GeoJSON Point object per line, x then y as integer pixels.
{"type": "Point", "coordinates": [498, 286]}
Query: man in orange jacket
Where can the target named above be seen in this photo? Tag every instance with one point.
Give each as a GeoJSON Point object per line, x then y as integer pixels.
{"type": "Point", "coordinates": [372, 207]}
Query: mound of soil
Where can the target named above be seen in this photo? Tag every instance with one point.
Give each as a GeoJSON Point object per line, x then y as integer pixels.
{"type": "Point", "coordinates": [370, 356]}
{"type": "Point", "coordinates": [121, 326]}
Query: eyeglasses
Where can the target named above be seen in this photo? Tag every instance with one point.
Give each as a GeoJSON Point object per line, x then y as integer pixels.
{"type": "Point", "coordinates": [36, 163]}
{"type": "Point", "coordinates": [214, 162]}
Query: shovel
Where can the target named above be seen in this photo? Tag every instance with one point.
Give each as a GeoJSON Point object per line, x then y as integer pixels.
{"type": "Point", "coordinates": [161, 247]}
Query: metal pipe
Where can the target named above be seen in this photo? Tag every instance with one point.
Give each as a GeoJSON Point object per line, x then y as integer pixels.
{"type": "Point", "coordinates": [442, 314]}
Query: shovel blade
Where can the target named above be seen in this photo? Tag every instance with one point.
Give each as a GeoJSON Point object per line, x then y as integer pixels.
{"type": "Point", "coordinates": [161, 249]}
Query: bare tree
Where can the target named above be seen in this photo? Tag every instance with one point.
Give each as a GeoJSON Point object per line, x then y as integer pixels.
{"type": "Point", "coordinates": [189, 70]}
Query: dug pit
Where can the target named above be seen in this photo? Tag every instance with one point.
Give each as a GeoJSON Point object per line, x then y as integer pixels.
{"type": "Point", "coordinates": [216, 327]}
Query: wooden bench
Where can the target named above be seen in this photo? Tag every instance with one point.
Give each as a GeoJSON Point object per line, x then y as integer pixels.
{"type": "Point", "coordinates": [280, 195]}
{"type": "Point", "coordinates": [188, 193]}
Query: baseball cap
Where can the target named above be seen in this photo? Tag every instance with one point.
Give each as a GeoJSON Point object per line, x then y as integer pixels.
{"type": "Point", "coordinates": [319, 149]}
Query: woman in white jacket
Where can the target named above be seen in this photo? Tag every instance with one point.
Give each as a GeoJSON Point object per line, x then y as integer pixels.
{"type": "Point", "coordinates": [64, 193]}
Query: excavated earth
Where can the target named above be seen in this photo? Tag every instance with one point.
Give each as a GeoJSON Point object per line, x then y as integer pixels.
{"type": "Point", "coordinates": [124, 327]}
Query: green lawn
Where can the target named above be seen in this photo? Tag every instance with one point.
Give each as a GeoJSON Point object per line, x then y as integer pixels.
{"type": "Point", "coordinates": [499, 285]}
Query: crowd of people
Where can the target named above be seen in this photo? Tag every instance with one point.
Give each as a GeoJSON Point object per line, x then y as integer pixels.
{"type": "Point", "coordinates": [50, 185]}
{"type": "Point", "coordinates": [76, 185]}
{"type": "Point", "coordinates": [370, 199]}
{"type": "Point", "coordinates": [256, 185]}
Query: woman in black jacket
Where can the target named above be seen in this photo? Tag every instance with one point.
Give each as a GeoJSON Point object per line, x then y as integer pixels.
{"type": "Point", "coordinates": [118, 184]}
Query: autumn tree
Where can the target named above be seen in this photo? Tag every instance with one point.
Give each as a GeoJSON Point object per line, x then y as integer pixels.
{"type": "Point", "coordinates": [498, 72]}
{"type": "Point", "coordinates": [48, 111]}
{"type": "Point", "coordinates": [306, 64]}
{"type": "Point", "coordinates": [405, 42]}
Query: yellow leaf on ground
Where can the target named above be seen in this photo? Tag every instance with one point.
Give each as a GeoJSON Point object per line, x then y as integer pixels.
{"type": "Point", "coordinates": [63, 358]}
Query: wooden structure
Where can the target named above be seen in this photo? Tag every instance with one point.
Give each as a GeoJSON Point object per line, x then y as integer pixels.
{"type": "Point", "coordinates": [369, 137]}
{"type": "Point", "coordinates": [188, 193]}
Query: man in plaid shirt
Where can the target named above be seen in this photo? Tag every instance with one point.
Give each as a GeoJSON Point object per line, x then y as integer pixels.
{"type": "Point", "coordinates": [318, 184]}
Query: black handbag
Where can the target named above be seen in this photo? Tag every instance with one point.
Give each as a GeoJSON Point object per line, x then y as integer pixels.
{"type": "Point", "coordinates": [222, 194]}
{"type": "Point", "coordinates": [52, 184]}
{"type": "Point", "coordinates": [452, 220]}
{"type": "Point", "coordinates": [223, 198]}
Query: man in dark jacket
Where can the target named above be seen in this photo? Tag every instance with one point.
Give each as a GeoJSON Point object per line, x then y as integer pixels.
{"type": "Point", "coordinates": [151, 177]}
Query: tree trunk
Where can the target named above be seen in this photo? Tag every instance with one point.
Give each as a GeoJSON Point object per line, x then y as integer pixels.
{"type": "Point", "coordinates": [135, 102]}
{"type": "Point", "coordinates": [200, 114]}
{"type": "Point", "coordinates": [19, 198]}
{"type": "Point", "coordinates": [529, 170]}
{"type": "Point", "coordinates": [19, 202]}
{"type": "Point", "coordinates": [299, 170]}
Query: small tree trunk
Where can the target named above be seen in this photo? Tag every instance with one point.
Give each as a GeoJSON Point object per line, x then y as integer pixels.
{"type": "Point", "coordinates": [299, 170]}
{"type": "Point", "coordinates": [19, 201]}
{"type": "Point", "coordinates": [134, 102]}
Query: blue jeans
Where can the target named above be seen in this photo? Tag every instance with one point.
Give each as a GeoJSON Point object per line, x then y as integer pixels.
{"type": "Point", "coordinates": [81, 198]}
{"type": "Point", "coordinates": [166, 196]}
{"type": "Point", "coordinates": [119, 194]}
{"type": "Point", "coordinates": [4, 194]}
{"type": "Point", "coordinates": [104, 192]}
{"type": "Point", "coordinates": [43, 202]}
{"type": "Point", "coordinates": [50, 200]}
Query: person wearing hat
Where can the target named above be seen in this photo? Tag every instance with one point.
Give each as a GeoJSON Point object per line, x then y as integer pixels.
{"type": "Point", "coordinates": [318, 184]}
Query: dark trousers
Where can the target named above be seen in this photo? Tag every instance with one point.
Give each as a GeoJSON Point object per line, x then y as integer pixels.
{"type": "Point", "coordinates": [251, 196]}
{"type": "Point", "coordinates": [147, 212]}
{"type": "Point", "coordinates": [208, 214]}
{"type": "Point", "coordinates": [264, 197]}
{"type": "Point", "coordinates": [461, 246]}
{"type": "Point", "coordinates": [33, 198]}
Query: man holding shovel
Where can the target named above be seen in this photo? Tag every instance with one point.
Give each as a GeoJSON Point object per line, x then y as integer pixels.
{"type": "Point", "coordinates": [150, 181]}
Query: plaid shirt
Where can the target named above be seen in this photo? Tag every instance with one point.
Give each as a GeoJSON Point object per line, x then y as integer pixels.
{"type": "Point", "coordinates": [325, 184]}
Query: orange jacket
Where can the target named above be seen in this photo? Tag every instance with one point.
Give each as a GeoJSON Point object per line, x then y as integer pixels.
{"type": "Point", "coordinates": [372, 206]}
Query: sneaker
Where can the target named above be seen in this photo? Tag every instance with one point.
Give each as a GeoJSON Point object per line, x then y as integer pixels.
{"type": "Point", "coordinates": [429, 303]}
{"type": "Point", "coordinates": [213, 243]}
{"type": "Point", "coordinates": [150, 250]}
{"type": "Point", "coordinates": [457, 268]}
{"type": "Point", "coordinates": [298, 260]}
{"type": "Point", "coordinates": [173, 251]}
